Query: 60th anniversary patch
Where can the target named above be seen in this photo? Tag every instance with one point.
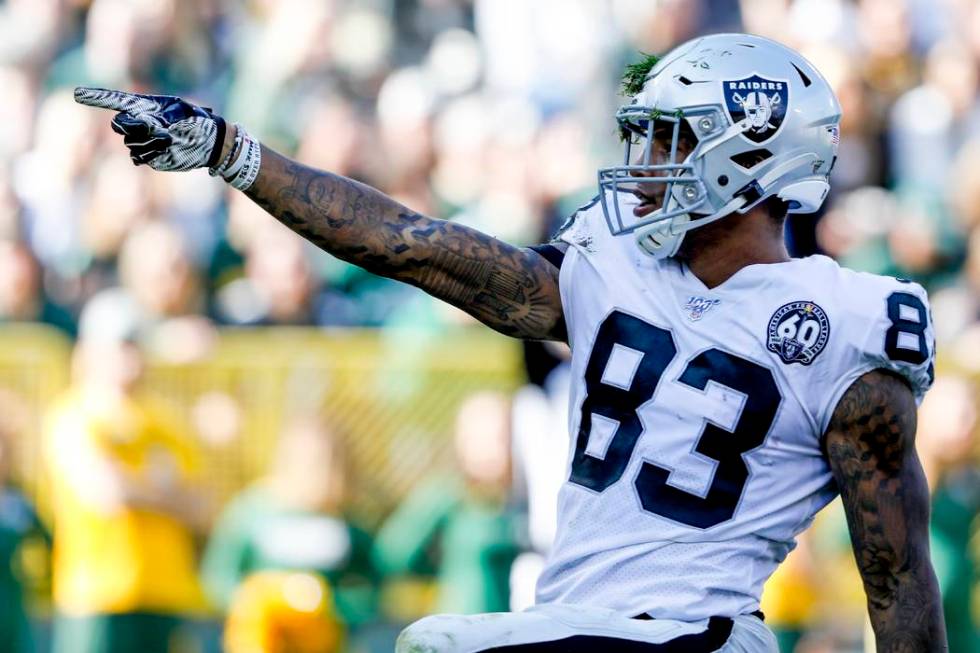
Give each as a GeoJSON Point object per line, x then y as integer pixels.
{"type": "Point", "coordinates": [798, 332]}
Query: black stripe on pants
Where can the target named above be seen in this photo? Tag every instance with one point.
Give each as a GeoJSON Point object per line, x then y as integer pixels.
{"type": "Point", "coordinates": [712, 639]}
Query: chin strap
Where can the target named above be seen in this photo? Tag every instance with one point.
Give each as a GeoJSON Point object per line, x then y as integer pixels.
{"type": "Point", "coordinates": [662, 240]}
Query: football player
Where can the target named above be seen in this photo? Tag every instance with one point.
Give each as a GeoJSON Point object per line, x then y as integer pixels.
{"type": "Point", "coordinates": [722, 393]}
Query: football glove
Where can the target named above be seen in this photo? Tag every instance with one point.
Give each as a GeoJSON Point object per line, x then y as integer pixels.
{"type": "Point", "coordinates": [161, 131]}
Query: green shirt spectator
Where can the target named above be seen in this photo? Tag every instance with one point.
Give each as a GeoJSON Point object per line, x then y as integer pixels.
{"type": "Point", "coordinates": [258, 532]}
{"type": "Point", "coordinates": [475, 538]}
{"type": "Point", "coordinates": [955, 506]}
{"type": "Point", "coordinates": [292, 520]}
{"type": "Point", "coordinates": [462, 528]}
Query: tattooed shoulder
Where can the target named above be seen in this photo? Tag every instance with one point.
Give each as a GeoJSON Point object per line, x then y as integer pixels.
{"type": "Point", "coordinates": [875, 418]}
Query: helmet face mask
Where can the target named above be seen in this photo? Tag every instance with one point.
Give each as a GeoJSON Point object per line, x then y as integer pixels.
{"type": "Point", "coordinates": [761, 119]}
{"type": "Point", "coordinates": [642, 175]}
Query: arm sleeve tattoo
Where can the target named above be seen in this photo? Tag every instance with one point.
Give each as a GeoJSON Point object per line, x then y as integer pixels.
{"type": "Point", "coordinates": [513, 290]}
{"type": "Point", "coordinates": [871, 449]}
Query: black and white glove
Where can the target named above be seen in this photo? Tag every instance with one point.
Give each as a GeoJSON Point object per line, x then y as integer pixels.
{"type": "Point", "coordinates": [161, 131]}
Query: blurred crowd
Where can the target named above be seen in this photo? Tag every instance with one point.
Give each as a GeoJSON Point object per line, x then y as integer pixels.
{"type": "Point", "coordinates": [495, 113]}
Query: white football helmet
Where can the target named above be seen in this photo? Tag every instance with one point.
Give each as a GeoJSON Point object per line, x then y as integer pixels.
{"type": "Point", "coordinates": [766, 124]}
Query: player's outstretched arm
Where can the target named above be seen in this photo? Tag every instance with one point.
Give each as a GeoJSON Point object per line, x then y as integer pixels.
{"type": "Point", "coordinates": [513, 290]}
{"type": "Point", "coordinates": [870, 444]}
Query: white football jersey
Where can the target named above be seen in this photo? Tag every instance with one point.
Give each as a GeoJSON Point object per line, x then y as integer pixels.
{"type": "Point", "coordinates": [696, 417]}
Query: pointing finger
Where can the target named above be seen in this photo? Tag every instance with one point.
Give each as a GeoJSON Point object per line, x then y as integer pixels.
{"type": "Point", "coordinates": [115, 100]}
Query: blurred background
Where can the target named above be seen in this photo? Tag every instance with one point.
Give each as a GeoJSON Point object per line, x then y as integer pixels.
{"type": "Point", "coordinates": [215, 437]}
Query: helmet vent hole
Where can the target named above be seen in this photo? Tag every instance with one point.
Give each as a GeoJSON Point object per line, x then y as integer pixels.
{"type": "Point", "coordinates": [684, 80]}
{"type": "Point", "coordinates": [746, 45]}
{"type": "Point", "coordinates": [806, 80]}
{"type": "Point", "coordinates": [751, 158]}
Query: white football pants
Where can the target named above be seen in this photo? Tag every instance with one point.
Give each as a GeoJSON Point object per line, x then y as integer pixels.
{"type": "Point", "coordinates": [570, 629]}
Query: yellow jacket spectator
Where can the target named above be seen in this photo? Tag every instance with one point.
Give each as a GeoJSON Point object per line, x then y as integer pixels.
{"type": "Point", "coordinates": [283, 612]}
{"type": "Point", "coordinates": [120, 549]}
{"type": "Point", "coordinates": [124, 505]}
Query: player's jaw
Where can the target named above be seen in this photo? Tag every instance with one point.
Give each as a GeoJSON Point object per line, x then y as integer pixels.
{"type": "Point", "coordinates": [651, 196]}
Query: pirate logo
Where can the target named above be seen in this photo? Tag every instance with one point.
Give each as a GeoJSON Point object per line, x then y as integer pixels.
{"type": "Point", "coordinates": [798, 332]}
{"type": "Point", "coordinates": [759, 104]}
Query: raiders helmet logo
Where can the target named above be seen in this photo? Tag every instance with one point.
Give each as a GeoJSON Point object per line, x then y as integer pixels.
{"type": "Point", "coordinates": [761, 103]}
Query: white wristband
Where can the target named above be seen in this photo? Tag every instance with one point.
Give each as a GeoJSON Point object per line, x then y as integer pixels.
{"type": "Point", "coordinates": [243, 171]}
{"type": "Point", "coordinates": [250, 170]}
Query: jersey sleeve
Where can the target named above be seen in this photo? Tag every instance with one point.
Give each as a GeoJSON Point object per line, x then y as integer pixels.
{"type": "Point", "coordinates": [579, 233]}
{"type": "Point", "coordinates": [578, 230]}
{"type": "Point", "coordinates": [902, 339]}
{"type": "Point", "coordinates": [897, 335]}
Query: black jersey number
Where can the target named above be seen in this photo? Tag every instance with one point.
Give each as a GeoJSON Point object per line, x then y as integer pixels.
{"type": "Point", "coordinates": [618, 401]}
{"type": "Point", "coordinates": [911, 323]}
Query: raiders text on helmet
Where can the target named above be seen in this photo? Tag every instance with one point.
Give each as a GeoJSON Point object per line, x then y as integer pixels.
{"type": "Point", "coordinates": [766, 124]}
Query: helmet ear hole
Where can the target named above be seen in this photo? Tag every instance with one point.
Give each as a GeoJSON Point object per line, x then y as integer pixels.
{"type": "Point", "coordinates": [751, 158]}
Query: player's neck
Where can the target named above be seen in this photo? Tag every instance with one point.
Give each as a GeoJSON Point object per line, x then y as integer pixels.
{"type": "Point", "coordinates": [716, 254]}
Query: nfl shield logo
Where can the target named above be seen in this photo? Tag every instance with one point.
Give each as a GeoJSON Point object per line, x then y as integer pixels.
{"type": "Point", "coordinates": [761, 102]}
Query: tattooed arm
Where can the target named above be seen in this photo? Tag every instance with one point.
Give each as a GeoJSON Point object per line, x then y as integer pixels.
{"type": "Point", "coordinates": [870, 444]}
{"type": "Point", "coordinates": [510, 289]}
{"type": "Point", "coordinates": [513, 290]}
